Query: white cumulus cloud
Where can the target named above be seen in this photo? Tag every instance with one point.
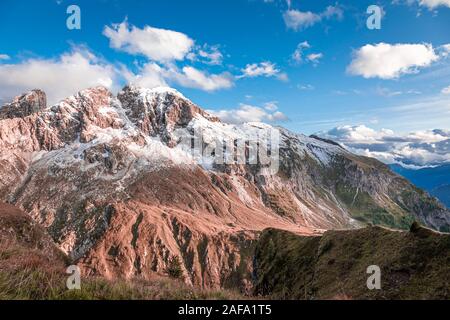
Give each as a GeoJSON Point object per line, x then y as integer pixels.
{"type": "Point", "coordinates": [390, 61]}
{"type": "Point", "coordinates": [417, 149]}
{"type": "Point", "coordinates": [153, 75]}
{"type": "Point", "coordinates": [193, 78]}
{"type": "Point", "coordinates": [206, 54]}
{"type": "Point", "coordinates": [266, 69]}
{"type": "Point", "coordinates": [299, 54]}
{"type": "Point", "coordinates": [315, 57]}
{"type": "Point", "coordinates": [263, 69]}
{"type": "Point", "coordinates": [248, 113]}
{"type": "Point", "coordinates": [432, 4]}
{"type": "Point", "coordinates": [165, 51]}
{"type": "Point", "coordinates": [156, 44]}
{"type": "Point", "coordinates": [298, 20]}
{"type": "Point", "coordinates": [59, 78]}
{"type": "Point", "coordinates": [446, 90]}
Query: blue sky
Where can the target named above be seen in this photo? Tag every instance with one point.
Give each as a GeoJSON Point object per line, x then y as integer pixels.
{"type": "Point", "coordinates": [239, 58]}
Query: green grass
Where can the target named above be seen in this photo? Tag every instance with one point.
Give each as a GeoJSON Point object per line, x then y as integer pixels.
{"type": "Point", "coordinates": [414, 265]}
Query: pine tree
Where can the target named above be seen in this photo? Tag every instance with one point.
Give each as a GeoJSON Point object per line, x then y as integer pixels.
{"type": "Point", "coordinates": [174, 269]}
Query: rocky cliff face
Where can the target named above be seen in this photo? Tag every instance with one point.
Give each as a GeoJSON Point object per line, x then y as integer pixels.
{"type": "Point", "coordinates": [24, 105]}
{"type": "Point", "coordinates": [111, 180]}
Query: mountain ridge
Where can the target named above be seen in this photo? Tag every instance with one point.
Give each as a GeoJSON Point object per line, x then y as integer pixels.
{"type": "Point", "coordinates": [413, 264]}
{"type": "Point", "coordinates": [433, 179]}
{"type": "Point", "coordinates": [110, 180]}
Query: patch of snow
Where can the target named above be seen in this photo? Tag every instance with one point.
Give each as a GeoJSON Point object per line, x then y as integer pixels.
{"type": "Point", "coordinates": [105, 110]}
{"type": "Point", "coordinates": [241, 192]}
{"type": "Point", "coordinates": [320, 154]}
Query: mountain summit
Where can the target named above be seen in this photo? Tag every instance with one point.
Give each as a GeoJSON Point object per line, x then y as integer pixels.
{"type": "Point", "coordinates": [125, 183]}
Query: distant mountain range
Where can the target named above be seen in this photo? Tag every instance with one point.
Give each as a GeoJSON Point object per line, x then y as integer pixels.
{"type": "Point", "coordinates": [435, 180]}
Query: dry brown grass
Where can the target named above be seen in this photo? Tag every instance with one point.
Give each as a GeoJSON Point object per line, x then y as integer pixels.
{"type": "Point", "coordinates": [32, 267]}
{"type": "Point", "coordinates": [29, 275]}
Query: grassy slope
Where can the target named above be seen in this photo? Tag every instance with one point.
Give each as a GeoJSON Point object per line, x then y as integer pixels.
{"type": "Point", "coordinates": [28, 274]}
{"type": "Point", "coordinates": [31, 267]}
{"type": "Point", "coordinates": [414, 265]}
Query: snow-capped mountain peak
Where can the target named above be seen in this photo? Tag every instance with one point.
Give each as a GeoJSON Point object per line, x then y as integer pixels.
{"type": "Point", "coordinates": [107, 174]}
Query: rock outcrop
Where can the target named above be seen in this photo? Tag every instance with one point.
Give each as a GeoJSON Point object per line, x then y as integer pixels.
{"type": "Point", "coordinates": [158, 112]}
{"type": "Point", "coordinates": [24, 105]}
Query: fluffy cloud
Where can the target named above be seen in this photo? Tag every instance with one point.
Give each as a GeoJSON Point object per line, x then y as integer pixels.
{"type": "Point", "coordinates": [333, 12]}
{"type": "Point", "coordinates": [59, 78]}
{"type": "Point", "coordinates": [79, 69]}
{"type": "Point", "coordinates": [388, 61]}
{"type": "Point", "coordinates": [314, 57]}
{"type": "Point", "coordinates": [271, 106]}
{"type": "Point", "coordinates": [299, 54]}
{"type": "Point", "coordinates": [432, 4]}
{"type": "Point", "coordinates": [156, 44]}
{"type": "Point", "coordinates": [160, 45]}
{"type": "Point", "coordinates": [153, 75]}
{"type": "Point", "coordinates": [163, 49]}
{"type": "Point", "coordinates": [445, 50]}
{"type": "Point", "coordinates": [266, 69]}
{"type": "Point", "coordinates": [210, 55]}
{"type": "Point", "coordinates": [420, 148]}
{"type": "Point", "coordinates": [446, 90]}
{"type": "Point", "coordinates": [263, 69]}
{"type": "Point", "coordinates": [298, 20]}
{"type": "Point", "coordinates": [193, 78]}
{"type": "Point", "coordinates": [247, 113]}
